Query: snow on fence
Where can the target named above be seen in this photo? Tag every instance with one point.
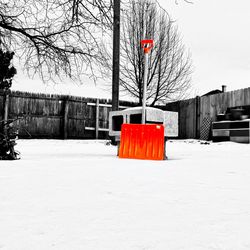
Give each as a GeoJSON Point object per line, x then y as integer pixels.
{"type": "Point", "coordinates": [57, 116]}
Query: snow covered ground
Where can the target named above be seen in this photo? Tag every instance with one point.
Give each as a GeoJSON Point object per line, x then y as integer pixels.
{"type": "Point", "coordinates": [77, 195]}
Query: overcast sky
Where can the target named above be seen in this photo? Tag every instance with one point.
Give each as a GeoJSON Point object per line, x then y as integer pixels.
{"type": "Point", "coordinates": [218, 37]}
{"type": "Point", "coordinates": [216, 32]}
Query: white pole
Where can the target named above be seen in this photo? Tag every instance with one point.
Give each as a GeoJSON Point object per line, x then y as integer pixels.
{"type": "Point", "coordinates": [145, 89]}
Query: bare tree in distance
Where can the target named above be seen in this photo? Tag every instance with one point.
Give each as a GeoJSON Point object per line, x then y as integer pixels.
{"type": "Point", "coordinates": [169, 69]}
{"type": "Point", "coordinates": [55, 37]}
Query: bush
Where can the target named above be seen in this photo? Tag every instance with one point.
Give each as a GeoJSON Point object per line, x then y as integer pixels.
{"type": "Point", "coordinates": [8, 136]}
{"type": "Point", "coordinates": [7, 133]}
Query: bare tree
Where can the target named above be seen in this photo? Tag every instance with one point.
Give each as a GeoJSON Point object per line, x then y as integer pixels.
{"type": "Point", "coordinates": [169, 69]}
{"type": "Point", "coordinates": [55, 37]}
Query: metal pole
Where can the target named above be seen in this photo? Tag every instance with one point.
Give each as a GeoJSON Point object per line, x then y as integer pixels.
{"type": "Point", "coordinates": [145, 89]}
{"type": "Point", "coordinates": [116, 56]}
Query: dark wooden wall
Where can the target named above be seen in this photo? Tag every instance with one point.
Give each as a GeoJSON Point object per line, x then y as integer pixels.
{"type": "Point", "coordinates": [192, 111]}
{"type": "Point", "coordinates": [58, 116]}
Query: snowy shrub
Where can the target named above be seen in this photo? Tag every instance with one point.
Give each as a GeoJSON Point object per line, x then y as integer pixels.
{"type": "Point", "coordinates": [8, 136]}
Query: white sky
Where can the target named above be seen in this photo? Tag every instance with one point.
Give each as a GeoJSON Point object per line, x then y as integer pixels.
{"type": "Point", "coordinates": [217, 35]}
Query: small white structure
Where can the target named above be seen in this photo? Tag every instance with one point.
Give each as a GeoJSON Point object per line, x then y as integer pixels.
{"type": "Point", "coordinates": [134, 116]}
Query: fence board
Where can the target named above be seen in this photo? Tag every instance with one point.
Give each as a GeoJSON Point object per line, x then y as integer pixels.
{"type": "Point", "coordinates": [39, 127]}
{"type": "Point", "coordinates": [1, 107]}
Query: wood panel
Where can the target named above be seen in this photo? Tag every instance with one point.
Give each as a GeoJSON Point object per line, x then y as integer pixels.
{"type": "Point", "coordinates": [187, 117]}
{"type": "Point", "coordinates": [1, 106]}
{"type": "Point", "coordinates": [43, 116]}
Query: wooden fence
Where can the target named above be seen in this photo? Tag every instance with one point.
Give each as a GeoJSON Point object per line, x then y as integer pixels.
{"type": "Point", "coordinates": [57, 116]}
{"type": "Point", "coordinates": [187, 114]}
{"type": "Point", "coordinates": [192, 111]}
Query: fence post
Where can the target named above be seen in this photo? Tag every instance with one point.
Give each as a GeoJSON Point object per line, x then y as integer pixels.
{"type": "Point", "coordinates": [65, 118]}
{"type": "Point", "coordinates": [6, 106]}
{"type": "Point", "coordinates": [6, 101]}
{"type": "Point", "coordinates": [97, 119]}
{"type": "Point", "coordinates": [197, 116]}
